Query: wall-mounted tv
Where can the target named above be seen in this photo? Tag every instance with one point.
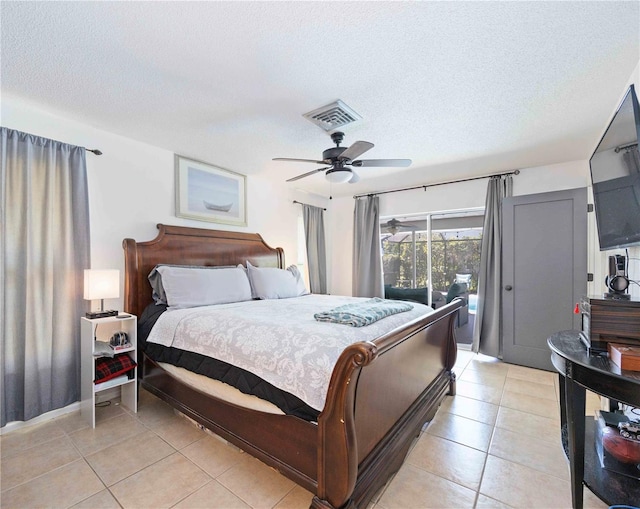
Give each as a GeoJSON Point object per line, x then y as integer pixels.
{"type": "Point", "coordinates": [615, 174]}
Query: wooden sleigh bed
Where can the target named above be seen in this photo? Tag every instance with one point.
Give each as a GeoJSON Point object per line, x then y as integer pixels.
{"type": "Point", "coordinates": [380, 395]}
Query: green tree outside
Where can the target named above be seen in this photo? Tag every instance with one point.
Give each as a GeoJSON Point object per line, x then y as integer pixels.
{"type": "Point", "coordinates": [451, 255]}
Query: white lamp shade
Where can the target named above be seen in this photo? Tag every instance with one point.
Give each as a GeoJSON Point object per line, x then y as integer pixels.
{"type": "Point", "coordinates": [339, 176]}
{"type": "Point", "coordinates": [101, 284]}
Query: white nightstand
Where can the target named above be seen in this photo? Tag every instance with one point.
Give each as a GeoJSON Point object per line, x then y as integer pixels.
{"type": "Point", "coordinates": [102, 329]}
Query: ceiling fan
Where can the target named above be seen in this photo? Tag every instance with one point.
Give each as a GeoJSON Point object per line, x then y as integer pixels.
{"type": "Point", "coordinates": [393, 226]}
{"type": "Point", "coordinates": [341, 161]}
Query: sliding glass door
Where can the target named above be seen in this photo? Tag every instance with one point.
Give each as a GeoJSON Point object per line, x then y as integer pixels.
{"type": "Point", "coordinates": [433, 258]}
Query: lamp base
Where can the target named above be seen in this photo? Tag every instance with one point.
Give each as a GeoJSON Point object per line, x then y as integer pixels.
{"type": "Point", "coordinates": [92, 315]}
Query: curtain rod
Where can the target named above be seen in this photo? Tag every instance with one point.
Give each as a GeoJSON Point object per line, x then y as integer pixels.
{"type": "Point", "coordinates": [94, 150]}
{"type": "Point", "coordinates": [624, 147]}
{"type": "Point", "coordinates": [424, 186]}
{"type": "Point", "coordinates": [300, 203]}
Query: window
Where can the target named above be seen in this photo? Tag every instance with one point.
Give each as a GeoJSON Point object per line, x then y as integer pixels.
{"type": "Point", "coordinates": [455, 258]}
{"type": "Point", "coordinates": [411, 259]}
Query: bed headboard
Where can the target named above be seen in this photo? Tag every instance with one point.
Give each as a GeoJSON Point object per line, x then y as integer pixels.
{"type": "Point", "coordinates": [189, 246]}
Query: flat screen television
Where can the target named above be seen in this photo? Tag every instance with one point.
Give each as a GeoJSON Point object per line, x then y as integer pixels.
{"type": "Point", "coordinates": [615, 175]}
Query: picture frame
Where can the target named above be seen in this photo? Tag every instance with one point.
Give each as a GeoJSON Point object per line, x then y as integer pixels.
{"type": "Point", "coordinates": [205, 192]}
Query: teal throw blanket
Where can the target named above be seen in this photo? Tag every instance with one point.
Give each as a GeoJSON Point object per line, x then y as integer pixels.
{"type": "Point", "coordinates": [363, 313]}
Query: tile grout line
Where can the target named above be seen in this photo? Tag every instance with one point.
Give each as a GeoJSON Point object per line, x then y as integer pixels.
{"type": "Point", "coordinates": [375, 502]}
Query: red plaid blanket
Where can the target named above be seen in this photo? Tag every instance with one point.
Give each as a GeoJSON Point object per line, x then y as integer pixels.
{"type": "Point", "coordinates": [108, 368]}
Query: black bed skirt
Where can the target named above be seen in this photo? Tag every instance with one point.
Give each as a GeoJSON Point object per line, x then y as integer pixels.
{"type": "Point", "coordinates": [241, 379]}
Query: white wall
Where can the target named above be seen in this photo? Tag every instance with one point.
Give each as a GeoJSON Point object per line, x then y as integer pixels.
{"type": "Point", "coordinates": [439, 199]}
{"type": "Point", "coordinates": [131, 188]}
{"type": "Point", "coordinates": [472, 194]}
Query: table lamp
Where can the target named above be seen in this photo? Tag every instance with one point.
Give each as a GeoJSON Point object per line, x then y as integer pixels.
{"type": "Point", "coordinates": [101, 284]}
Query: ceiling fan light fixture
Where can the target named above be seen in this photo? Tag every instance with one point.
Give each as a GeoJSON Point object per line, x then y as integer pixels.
{"type": "Point", "coordinates": [340, 159]}
{"type": "Point", "coordinates": [339, 176]}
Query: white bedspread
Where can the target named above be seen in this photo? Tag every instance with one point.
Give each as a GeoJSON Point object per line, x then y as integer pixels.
{"type": "Point", "coordinates": [279, 340]}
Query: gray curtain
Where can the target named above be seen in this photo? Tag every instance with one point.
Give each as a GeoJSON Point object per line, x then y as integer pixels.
{"type": "Point", "coordinates": [631, 158]}
{"type": "Point", "coordinates": [488, 322]}
{"type": "Point", "coordinates": [44, 249]}
{"type": "Point", "coordinates": [316, 248]}
{"type": "Point", "coordinates": [367, 253]}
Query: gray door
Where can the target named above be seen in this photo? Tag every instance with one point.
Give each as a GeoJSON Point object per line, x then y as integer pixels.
{"type": "Point", "coordinates": [544, 271]}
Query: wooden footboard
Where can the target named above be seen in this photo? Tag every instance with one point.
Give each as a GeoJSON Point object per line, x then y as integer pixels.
{"type": "Point", "coordinates": [380, 395]}
{"type": "Point", "coordinates": [286, 443]}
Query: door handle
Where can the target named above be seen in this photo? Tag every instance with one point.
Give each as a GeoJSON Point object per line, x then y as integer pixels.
{"type": "Point", "coordinates": [508, 288]}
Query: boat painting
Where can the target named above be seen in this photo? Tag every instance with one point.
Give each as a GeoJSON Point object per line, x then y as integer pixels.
{"type": "Point", "coordinates": [209, 193]}
{"type": "Point", "coordinates": [212, 206]}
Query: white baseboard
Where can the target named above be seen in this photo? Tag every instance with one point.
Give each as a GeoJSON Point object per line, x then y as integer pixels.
{"type": "Point", "coordinates": [101, 397]}
{"type": "Point", "coordinates": [15, 425]}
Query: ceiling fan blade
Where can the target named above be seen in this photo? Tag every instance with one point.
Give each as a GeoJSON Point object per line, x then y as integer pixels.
{"type": "Point", "coordinates": [393, 225]}
{"type": "Point", "coordinates": [411, 225]}
{"type": "Point", "coordinates": [355, 150]}
{"type": "Point", "coordinates": [354, 177]}
{"type": "Point", "coordinates": [307, 174]}
{"type": "Point", "coordinates": [387, 163]}
{"type": "Point", "coordinates": [298, 160]}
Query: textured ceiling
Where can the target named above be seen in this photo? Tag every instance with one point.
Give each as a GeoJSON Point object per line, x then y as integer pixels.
{"type": "Point", "coordinates": [461, 88]}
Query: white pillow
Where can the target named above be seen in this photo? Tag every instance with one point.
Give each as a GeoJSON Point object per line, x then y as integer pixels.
{"type": "Point", "coordinates": [187, 287]}
{"type": "Point", "coordinates": [272, 283]}
{"type": "Point", "coordinates": [302, 289]}
{"type": "Point", "coordinates": [463, 278]}
{"type": "Point", "coordinates": [155, 279]}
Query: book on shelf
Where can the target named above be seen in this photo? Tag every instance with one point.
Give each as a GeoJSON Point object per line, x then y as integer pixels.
{"type": "Point", "coordinates": [117, 348]}
{"type": "Point", "coordinates": [112, 382]}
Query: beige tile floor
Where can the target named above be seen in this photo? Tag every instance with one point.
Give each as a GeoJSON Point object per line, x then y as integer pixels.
{"type": "Point", "coordinates": [494, 445]}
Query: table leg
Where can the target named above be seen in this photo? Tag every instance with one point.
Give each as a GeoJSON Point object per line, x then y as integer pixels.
{"type": "Point", "coordinates": [575, 407]}
{"type": "Point", "coordinates": [563, 401]}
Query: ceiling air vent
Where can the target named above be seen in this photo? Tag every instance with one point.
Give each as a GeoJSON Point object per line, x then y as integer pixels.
{"type": "Point", "coordinates": [333, 116]}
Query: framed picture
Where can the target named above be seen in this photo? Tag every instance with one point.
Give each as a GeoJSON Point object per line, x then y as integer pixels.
{"type": "Point", "coordinates": [209, 193]}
